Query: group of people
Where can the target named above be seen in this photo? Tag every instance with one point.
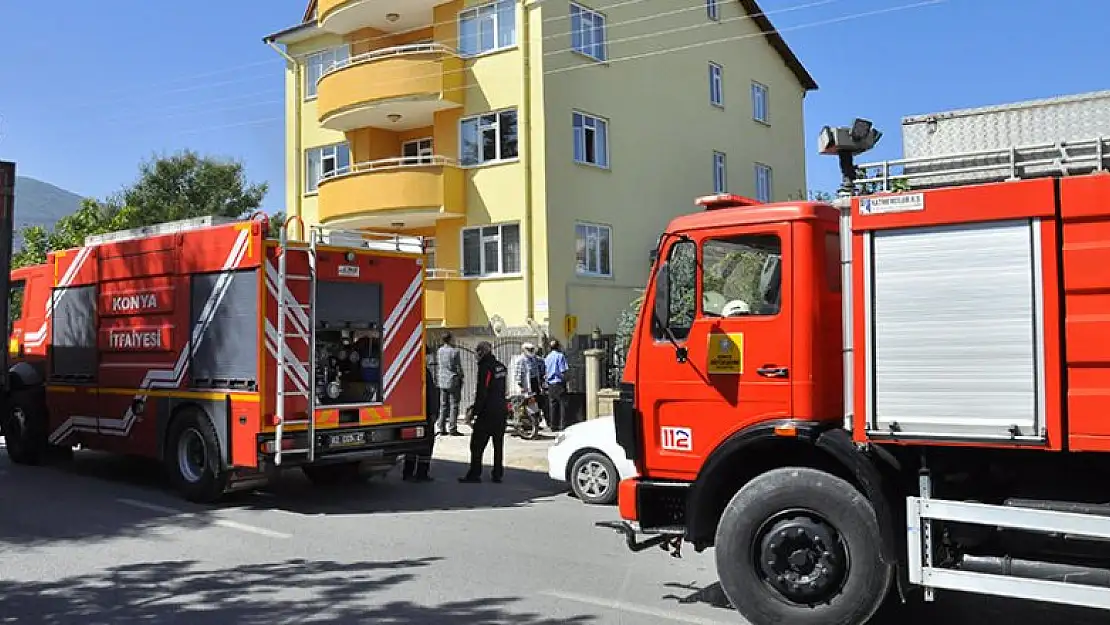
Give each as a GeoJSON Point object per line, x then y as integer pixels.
{"type": "Point", "coordinates": [532, 376]}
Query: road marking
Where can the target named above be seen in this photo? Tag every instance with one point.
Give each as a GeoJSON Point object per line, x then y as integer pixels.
{"type": "Point", "coordinates": [235, 525]}
{"type": "Point", "coordinates": [621, 606]}
{"type": "Point", "coordinates": [261, 531]}
{"type": "Point", "coordinates": [135, 503]}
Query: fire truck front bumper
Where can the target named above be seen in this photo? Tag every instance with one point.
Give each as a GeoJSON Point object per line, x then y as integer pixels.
{"type": "Point", "coordinates": [654, 509]}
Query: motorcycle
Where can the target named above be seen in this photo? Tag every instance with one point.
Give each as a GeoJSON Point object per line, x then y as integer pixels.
{"type": "Point", "coordinates": [526, 417]}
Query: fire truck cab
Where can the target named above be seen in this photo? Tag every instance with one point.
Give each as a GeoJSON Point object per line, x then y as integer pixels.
{"type": "Point", "coordinates": [898, 390]}
{"type": "Point", "coordinates": [224, 353]}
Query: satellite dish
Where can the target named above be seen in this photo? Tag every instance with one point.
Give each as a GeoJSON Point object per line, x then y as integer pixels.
{"type": "Point", "coordinates": [497, 324]}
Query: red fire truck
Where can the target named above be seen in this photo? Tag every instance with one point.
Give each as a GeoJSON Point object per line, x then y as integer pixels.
{"type": "Point", "coordinates": [224, 353]}
{"type": "Point", "coordinates": [904, 390]}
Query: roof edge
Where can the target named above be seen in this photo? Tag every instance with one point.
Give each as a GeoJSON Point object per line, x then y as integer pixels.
{"type": "Point", "coordinates": [292, 30]}
{"type": "Point", "coordinates": [779, 44]}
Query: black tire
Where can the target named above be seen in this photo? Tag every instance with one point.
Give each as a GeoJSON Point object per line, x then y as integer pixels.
{"type": "Point", "coordinates": [594, 479]}
{"type": "Point", "coordinates": [193, 458]}
{"type": "Point", "coordinates": [801, 514]}
{"type": "Point", "coordinates": [528, 427]}
{"type": "Point", "coordinates": [25, 433]}
{"type": "Point", "coordinates": [333, 474]}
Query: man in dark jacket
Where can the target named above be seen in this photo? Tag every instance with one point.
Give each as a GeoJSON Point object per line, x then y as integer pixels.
{"type": "Point", "coordinates": [491, 412]}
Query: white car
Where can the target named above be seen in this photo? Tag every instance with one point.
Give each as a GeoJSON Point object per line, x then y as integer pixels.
{"type": "Point", "coordinates": [587, 456]}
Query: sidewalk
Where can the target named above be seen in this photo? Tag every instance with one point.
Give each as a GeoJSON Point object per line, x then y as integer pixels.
{"type": "Point", "coordinates": [519, 453]}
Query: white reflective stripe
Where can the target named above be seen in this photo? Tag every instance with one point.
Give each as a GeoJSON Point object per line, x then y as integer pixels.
{"type": "Point", "coordinates": [405, 358]}
{"type": "Point", "coordinates": [163, 378]}
{"type": "Point", "coordinates": [399, 313]}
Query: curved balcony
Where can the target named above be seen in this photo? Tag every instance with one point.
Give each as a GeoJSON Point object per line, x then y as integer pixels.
{"type": "Point", "coordinates": [396, 88]}
{"type": "Point", "coordinates": [395, 192]}
{"type": "Point", "coordinates": [346, 16]}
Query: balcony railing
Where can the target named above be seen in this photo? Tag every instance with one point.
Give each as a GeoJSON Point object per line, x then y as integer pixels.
{"type": "Point", "coordinates": [436, 273]}
{"type": "Point", "coordinates": [389, 164]}
{"type": "Point", "coordinates": [387, 53]}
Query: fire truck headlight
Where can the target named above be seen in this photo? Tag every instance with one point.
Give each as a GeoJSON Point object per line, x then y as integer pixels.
{"type": "Point", "coordinates": [334, 390]}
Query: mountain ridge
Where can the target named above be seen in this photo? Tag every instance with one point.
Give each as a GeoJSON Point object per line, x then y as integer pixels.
{"type": "Point", "coordinates": [39, 203]}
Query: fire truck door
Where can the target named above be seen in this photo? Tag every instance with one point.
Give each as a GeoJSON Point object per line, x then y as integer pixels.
{"type": "Point", "coordinates": [729, 363]}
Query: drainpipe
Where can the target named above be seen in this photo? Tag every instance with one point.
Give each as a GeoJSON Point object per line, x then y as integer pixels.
{"type": "Point", "coordinates": [298, 178]}
{"type": "Point", "coordinates": [526, 132]}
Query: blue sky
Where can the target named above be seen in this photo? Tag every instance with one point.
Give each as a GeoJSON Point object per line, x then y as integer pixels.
{"type": "Point", "coordinates": [89, 89]}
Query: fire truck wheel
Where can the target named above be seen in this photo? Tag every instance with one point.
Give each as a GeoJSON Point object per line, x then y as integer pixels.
{"type": "Point", "coordinates": [800, 546]}
{"type": "Point", "coordinates": [25, 429]}
{"type": "Point", "coordinates": [193, 458]}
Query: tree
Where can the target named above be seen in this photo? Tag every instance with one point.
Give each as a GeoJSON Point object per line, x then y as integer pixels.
{"type": "Point", "coordinates": [180, 186]}
{"type": "Point", "coordinates": [187, 185]}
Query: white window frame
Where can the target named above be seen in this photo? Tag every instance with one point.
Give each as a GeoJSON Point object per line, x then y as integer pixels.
{"type": "Point", "coordinates": [761, 103]}
{"type": "Point", "coordinates": [764, 182]}
{"type": "Point", "coordinates": [425, 151]}
{"type": "Point", "coordinates": [325, 59]}
{"type": "Point", "coordinates": [597, 230]}
{"type": "Point", "coordinates": [484, 238]}
{"type": "Point", "coordinates": [585, 27]}
{"type": "Point", "coordinates": [493, 11]}
{"type": "Point", "coordinates": [716, 84]}
{"type": "Point", "coordinates": [585, 129]}
{"type": "Point", "coordinates": [713, 10]}
{"type": "Point", "coordinates": [483, 125]}
{"type": "Point", "coordinates": [720, 172]}
{"type": "Point", "coordinates": [328, 153]}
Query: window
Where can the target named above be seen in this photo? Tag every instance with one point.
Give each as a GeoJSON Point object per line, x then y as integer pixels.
{"type": "Point", "coordinates": [720, 173]}
{"type": "Point", "coordinates": [713, 9]}
{"type": "Point", "coordinates": [716, 85]}
{"type": "Point", "coordinates": [15, 303]}
{"type": "Point", "coordinates": [323, 162]}
{"type": "Point", "coordinates": [591, 140]}
{"type": "Point", "coordinates": [742, 275]}
{"type": "Point", "coordinates": [488, 138]}
{"type": "Point", "coordinates": [416, 152]}
{"type": "Point", "coordinates": [763, 184]}
{"type": "Point", "coordinates": [682, 269]}
{"type": "Point", "coordinates": [430, 254]}
{"type": "Point", "coordinates": [491, 250]}
{"type": "Point", "coordinates": [487, 28]}
{"type": "Point", "coordinates": [318, 63]}
{"type": "Point", "coordinates": [760, 112]}
{"type": "Point", "coordinates": [593, 249]}
{"type": "Point", "coordinates": [587, 32]}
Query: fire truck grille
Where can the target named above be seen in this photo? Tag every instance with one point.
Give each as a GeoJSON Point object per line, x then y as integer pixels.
{"type": "Point", "coordinates": [662, 505]}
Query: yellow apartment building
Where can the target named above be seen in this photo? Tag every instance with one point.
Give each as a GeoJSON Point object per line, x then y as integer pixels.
{"type": "Point", "coordinates": [540, 145]}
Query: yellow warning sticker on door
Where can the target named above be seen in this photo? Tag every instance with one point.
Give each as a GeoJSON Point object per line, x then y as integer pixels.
{"type": "Point", "coordinates": [726, 353]}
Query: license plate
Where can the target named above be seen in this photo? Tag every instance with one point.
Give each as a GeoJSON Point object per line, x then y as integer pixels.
{"type": "Point", "coordinates": [346, 439]}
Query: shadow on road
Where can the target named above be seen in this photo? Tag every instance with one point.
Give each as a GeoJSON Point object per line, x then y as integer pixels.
{"type": "Point", "coordinates": [293, 591]}
{"type": "Point", "coordinates": [950, 608]}
{"type": "Point", "coordinates": [39, 505]}
{"type": "Point", "coordinates": [296, 494]}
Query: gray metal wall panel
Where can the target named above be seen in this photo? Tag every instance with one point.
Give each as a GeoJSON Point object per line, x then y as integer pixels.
{"type": "Point", "coordinates": [339, 302]}
{"type": "Point", "coordinates": [1039, 122]}
{"type": "Point", "coordinates": [954, 331]}
{"type": "Point", "coordinates": [229, 348]}
{"type": "Point", "coordinates": [73, 343]}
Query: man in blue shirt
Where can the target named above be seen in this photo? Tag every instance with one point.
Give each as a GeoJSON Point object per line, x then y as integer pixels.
{"type": "Point", "coordinates": [555, 369]}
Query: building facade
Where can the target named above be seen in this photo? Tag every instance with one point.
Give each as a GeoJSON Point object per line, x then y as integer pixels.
{"type": "Point", "coordinates": [540, 145]}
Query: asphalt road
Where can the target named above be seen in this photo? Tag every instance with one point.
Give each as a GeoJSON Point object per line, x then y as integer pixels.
{"type": "Point", "coordinates": [102, 540]}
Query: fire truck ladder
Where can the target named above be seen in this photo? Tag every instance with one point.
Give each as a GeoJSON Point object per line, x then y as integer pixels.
{"type": "Point", "coordinates": [284, 297]}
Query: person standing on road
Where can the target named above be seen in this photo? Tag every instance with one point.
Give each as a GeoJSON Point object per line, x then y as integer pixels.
{"type": "Point", "coordinates": [416, 466]}
{"type": "Point", "coordinates": [490, 415]}
{"type": "Point", "coordinates": [531, 379]}
{"type": "Point", "coordinates": [449, 378]}
{"type": "Point", "coordinates": [555, 373]}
